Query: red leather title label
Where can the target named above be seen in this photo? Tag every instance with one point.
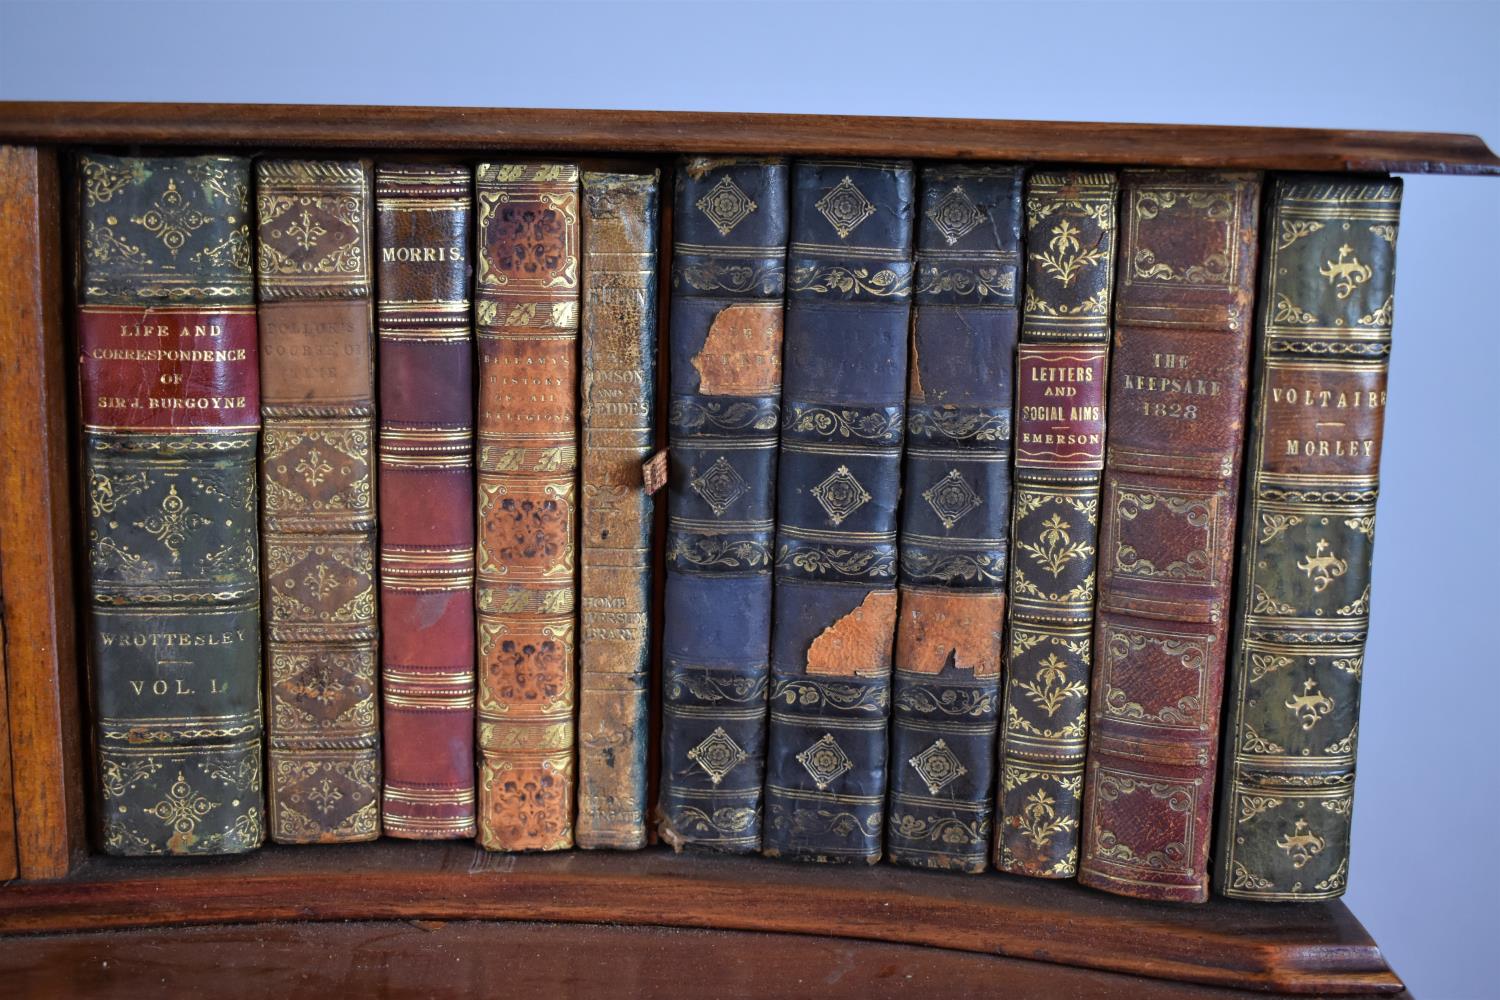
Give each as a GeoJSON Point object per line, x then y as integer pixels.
{"type": "Point", "coordinates": [1320, 420]}
{"type": "Point", "coordinates": [1060, 396]}
{"type": "Point", "coordinates": [169, 368]}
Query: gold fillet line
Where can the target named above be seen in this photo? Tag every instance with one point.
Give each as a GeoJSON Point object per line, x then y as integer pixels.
{"type": "Point", "coordinates": [204, 309]}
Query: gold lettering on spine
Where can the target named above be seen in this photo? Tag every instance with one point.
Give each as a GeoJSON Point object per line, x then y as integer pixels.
{"type": "Point", "coordinates": [526, 304]}
{"type": "Point", "coordinates": [741, 355]}
{"type": "Point", "coordinates": [1061, 374]}
{"type": "Point", "coordinates": [618, 337]}
{"type": "Point", "coordinates": [421, 255]}
{"type": "Point", "coordinates": [318, 511]}
{"type": "Point", "coordinates": [168, 386]}
{"type": "Point", "coordinates": [1312, 471]}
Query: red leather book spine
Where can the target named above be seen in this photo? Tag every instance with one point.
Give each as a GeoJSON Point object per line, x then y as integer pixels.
{"type": "Point", "coordinates": [1178, 385]}
{"type": "Point", "coordinates": [424, 226]}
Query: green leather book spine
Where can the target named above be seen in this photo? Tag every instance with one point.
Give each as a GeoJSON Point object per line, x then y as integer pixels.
{"type": "Point", "coordinates": [169, 393]}
{"type": "Point", "coordinates": [1060, 378]}
{"type": "Point", "coordinates": [1296, 660]}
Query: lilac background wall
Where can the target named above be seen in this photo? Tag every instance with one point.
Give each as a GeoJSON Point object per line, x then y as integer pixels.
{"type": "Point", "coordinates": [1422, 878]}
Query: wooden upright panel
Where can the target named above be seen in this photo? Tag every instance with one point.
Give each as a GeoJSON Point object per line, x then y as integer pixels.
{"type": "Point", "coordinates": [9, 862]}
{"type": "Point", "coordinates": [36, 564]}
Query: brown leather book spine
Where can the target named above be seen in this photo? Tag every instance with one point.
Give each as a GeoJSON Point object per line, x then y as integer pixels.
{"type": "Point", "coordinates": [318, 506]}
{"type": "Point", "coordinates": [526, 317]}
{"type": "Point", "coordinates": [619, 420]}
{"type": "Point", "coordinates": [1178, 385]}
{"type": "Point", "coordinates": [424, 222]}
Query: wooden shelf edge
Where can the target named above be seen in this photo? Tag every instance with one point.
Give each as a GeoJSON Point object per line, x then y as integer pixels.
{"type": "Point", "coordinates": [465, 958]}
{"type": "Point", "coordinates": [582, 131]}
{"type": "Point", "coordinates": [1315, 948]}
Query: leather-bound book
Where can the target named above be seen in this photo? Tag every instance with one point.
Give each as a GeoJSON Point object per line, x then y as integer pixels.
{"type": "Point", "coordinates": [620, 241]}
{"type": "Point", "coordinates": [169, 387]}
{"type": "Point", "coordinates": [317, 470]}
{"type": "Point", "coordinates": [1061, 369]}
{"type": "Point", "coordinates": [956, 517]}
{"type": "Point", "coordinates": [1302, 606]}
{"type": "Point", "coordinates": [729, 225]}
{"type": "Point", "coordinates": [424, 227]}
{"type": "Point", "coordinates": [526, 316]}
{"type": "Point", "coordinates": [1171, 485]}
{"type": "Point", "coordinates": [848, 309]}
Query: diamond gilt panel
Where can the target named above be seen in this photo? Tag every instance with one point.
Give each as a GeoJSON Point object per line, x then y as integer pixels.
{"type": "Point", "coordinates": [718, 754]}
{"type": "Point", "coordinates": [951, 498]}
{"type": "Point", "coordinates": [719, 486]}
{"type": "Point", "coordinates": [825, 760]}
{"type": "Point", "coordinates": [845, 207]}
{"type": "Point", "coordinates": [841, 494]}
{"type": "Point", "coordinates": [955, 215]}
{"type": "Point", "coordinates": [726, 205]}
{"type": "Point", "coordinates": [937, 767]}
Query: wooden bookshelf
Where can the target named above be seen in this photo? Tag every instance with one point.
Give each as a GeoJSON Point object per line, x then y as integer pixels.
{"type": "Point", "coordinates": [655, 132]}
{"type": "Point", "coordinates": [427, 910]}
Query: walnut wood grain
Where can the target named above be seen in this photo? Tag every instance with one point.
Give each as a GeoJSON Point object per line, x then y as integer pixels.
{"type": "Point", "coordinates": [36, 572]}
{"type": "Point", "coordinates": [556, 130]}
{"type": "Point", "coordinates": [10, 865]}
{"type": "Point", "coordinates": [1312, 948]}
{"type": "Point", "coordinates": [468, 958]}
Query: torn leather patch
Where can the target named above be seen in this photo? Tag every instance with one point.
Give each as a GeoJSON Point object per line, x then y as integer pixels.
{"type": "Point", "coordinates": [962, 628]}
{"type": "Point", "coordinates": [741, 355]}
{"type": "Point", "coordinates": [859, 643]}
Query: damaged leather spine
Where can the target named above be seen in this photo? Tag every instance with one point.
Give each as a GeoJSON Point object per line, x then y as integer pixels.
{"type": "Point", "coordinates": [955, 518]}
{"type": "Point", "coordinates": [728, 284]}
{"type": "Point", "coordinates": [848, 309]}
{"type": "Point", "coordinates": [618, 345]}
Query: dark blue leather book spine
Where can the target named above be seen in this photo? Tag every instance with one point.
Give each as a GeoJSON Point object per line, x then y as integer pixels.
{"type": "Point", "coordinates": [955, 518]}
{"type": "Point", "coordinates": [848, 309]}
{"type": "Point", "coordinates": [728, 285]}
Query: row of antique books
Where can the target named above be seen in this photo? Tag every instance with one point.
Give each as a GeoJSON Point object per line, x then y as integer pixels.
{"type": "Point", "coordinates": [367, 442]}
